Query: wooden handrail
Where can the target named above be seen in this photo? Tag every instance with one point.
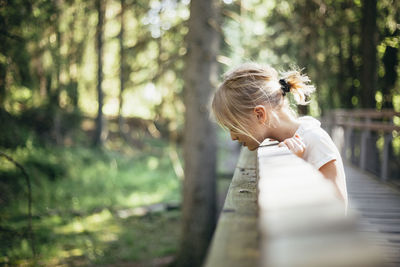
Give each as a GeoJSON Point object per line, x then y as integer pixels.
{"type": "Point", "coordinates": [364, 119]}
{"type": "Point", "coordinates": [302, 222]}
{"type": "Point", "coordinates": [235, 241]}
{"type": "Point", "coordinates": [281, 212]}
{"type": "Point", "coordinates": [371, 126]}
{"type": "Point", "coordinates": [366, 113]}
{"type": "Point", "coordinates": [368, 121]}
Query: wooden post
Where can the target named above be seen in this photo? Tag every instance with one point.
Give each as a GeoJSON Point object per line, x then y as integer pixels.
{"type": "Point", "coordinates": [365, 135]}
{"type": "Point", "coordinates": [328, 122]}
{"type": "Point", "coordinates": [347, 142]}
{"type": "Point", "coordinates": [385, 170]}
{"type": "Point", "coordinates": [363, 149]}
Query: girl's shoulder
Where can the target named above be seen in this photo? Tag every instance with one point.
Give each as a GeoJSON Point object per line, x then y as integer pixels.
{"type": "Point", "coordinates": [311, 132]}
{"type": "Point", "coordinates": [307, 124]}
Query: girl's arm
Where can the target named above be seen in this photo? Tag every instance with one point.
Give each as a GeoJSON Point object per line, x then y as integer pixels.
{"type": "Point", "coordinates": [330, 172]}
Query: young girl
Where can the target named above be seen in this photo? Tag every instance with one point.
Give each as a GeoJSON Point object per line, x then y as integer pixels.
{"type": "Point", "coordinates": [252, 103]}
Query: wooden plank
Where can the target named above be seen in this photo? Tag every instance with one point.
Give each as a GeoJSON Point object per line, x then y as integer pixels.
{"type": "Point", "coordinates": [235, 242]}
{"type": "Point", "coordinates": [373, 126]}
{"type": "Point", "coordinates": [379, 206]}
{"type": "Point", "coordinates": [302, 222]}
{"type": "Point", "coordinates": [366, 113]}
{"type": "Point", "coordinates": [386, 156]}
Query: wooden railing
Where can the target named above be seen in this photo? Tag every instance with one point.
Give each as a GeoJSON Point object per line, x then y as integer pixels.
{"type": "Point", "coordinates": [356, 133]}
{"type": "Point", "coordinates": [236, 239]}
{"type": "Point", "coordinates": [279, 212]}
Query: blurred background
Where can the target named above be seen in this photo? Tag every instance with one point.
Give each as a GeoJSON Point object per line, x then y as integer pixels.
{"type": "Point", "coordinates": [92, 110]}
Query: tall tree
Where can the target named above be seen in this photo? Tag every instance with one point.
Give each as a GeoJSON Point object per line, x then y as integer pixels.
{"type": "Point", "coordinates": [99, 134]}
{"type": "Point", "coordinates": [3, 74]}
{"type": "Point", "coordinates": [121, 66]}
{"type": "Point", "coordinates": [200, 76]}
{"type": "Point", "coordinates": [388, 17]}
{"type": "Point", "coordinates": [368, 52]}
{"type": "Point", "coordinates": [390, 63]}
{"type": "Point", "coordinates": [351, 67]}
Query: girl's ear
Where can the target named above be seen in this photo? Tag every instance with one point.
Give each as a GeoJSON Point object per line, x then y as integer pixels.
{"type": "Point", "coordinates": [261, 113]}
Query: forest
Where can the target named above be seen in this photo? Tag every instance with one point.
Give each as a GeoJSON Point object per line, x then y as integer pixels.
{"type": "Point", "coordinates": [101, 102]}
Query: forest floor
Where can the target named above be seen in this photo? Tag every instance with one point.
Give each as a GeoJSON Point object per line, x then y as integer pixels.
{"type": "Point", "coordinates": [92, 207]}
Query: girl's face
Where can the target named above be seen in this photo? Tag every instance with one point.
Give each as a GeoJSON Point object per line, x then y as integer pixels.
{"type": "Point", "coordinates": [244, 140]}
{"type": "Point", "coordinates": [258, 129]}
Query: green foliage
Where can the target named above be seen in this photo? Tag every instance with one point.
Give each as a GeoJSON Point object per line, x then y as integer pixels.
{"type": "Point", "coordinates": [36, 125]}
{"type": "Point", "coordinates": [324, 37]}
{"type": "Point", "coordinates": [48, 58]}
{"type": "Point", "coordinates": [77, 196]}
{"type": "Point", "coordinates": [13, 134]}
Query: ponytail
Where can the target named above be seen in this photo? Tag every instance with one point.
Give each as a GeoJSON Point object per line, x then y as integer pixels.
{"type": "Point", "coordinates": [299, 85]}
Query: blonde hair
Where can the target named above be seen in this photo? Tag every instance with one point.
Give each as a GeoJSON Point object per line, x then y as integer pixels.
{"type": "Point", "coordinates": [252, 84]}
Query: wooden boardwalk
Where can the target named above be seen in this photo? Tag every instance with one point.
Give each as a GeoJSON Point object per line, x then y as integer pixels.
{"type": "Point", "coordinates": [379, 208]}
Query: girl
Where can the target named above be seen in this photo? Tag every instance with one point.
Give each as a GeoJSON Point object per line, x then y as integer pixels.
{"type": "Point", "coordinates": [252, 103]}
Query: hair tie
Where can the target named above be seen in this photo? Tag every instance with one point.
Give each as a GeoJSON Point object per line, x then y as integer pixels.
{"type": "Point", "coordinates": [285, 86]}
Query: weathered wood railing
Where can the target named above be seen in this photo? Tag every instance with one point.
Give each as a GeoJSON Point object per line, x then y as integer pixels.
{"type": "Point", "coordinates": [356, 132]}
{"type": "Point", "coordinates": [280, 211]}
{"type": "Point", "coordinates": [235, 241]}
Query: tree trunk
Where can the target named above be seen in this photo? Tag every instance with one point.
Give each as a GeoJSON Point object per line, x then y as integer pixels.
{"type": "Point", "coordinates": [200, 76]}
{"type": "Point", "coordinates": [351, 68]}
{"type": "Point", "coordinates": [3, 74]}
{"type": "Point", "coordinates": [121, 68]}
{"type": "Point", "coordinates": [72, 59]}
{"type": "Point", "coordinates": [99, 133]}
{"type": "Point", "coordinates": [56, 106]}
{"type": "Point", "coordinates": [390, 63]}
{"type": "Point", "coordinates": [306, 55]}
{"type": "Point", "coordinates": [368, 53]}
{"type": "Point", "coordinates": [56, 54]}
{"type": "Point", "coordinates": [57, 61]}
{"type": "Point", "coordinates": [55, 101]}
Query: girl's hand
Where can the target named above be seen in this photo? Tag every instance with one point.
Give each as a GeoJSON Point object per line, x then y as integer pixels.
{"type": "Point", "coordinates": [295, 144]}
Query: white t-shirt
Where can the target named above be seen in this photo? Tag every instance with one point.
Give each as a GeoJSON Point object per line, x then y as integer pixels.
{"type": "Point", "coordinates": [320, 149]}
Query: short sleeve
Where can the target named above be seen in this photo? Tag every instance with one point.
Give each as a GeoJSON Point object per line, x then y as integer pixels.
{"type": "Point", "coordinates": [320, 148]}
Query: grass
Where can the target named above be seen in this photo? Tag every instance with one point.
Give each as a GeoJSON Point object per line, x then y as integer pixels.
{"type": "Point", "coordinates": [77, 194]}
{"type": "Point", "coordinates": [85, 202]}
